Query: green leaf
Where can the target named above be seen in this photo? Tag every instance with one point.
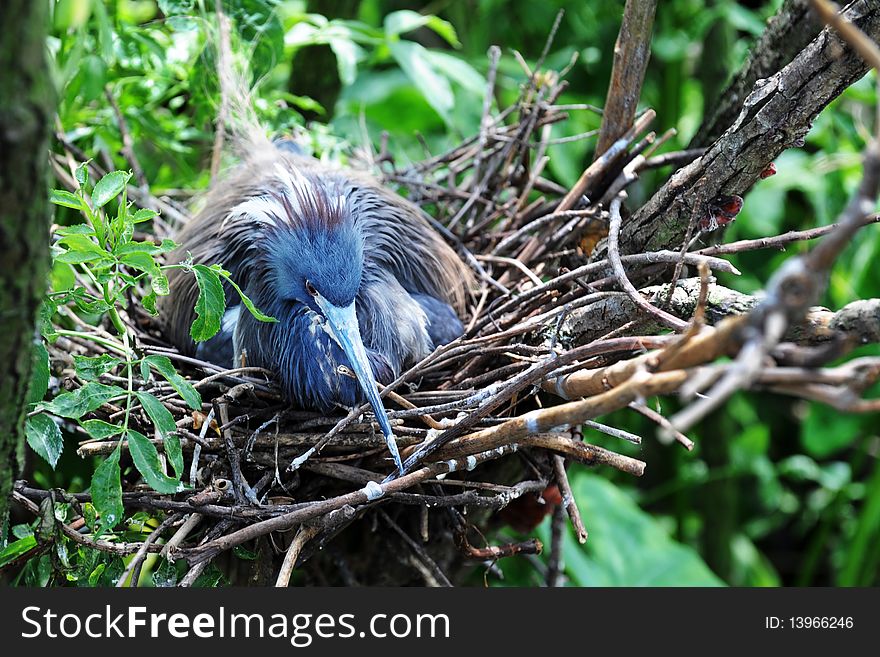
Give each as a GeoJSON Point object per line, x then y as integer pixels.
{"type": "Point", "coordinates": [243, 553]}
{"type": "Point", "coordinates": [627, 547]}
{"type": "Point", "coordinates": [175, 7]}
{"type": "Point", "coordinates": [89, 368]}
{"type": "Point", "coordinates": [44, 437]}
{"type": "Point", "coordinates": [144, 214]}
{"type": "Point", "coordinates": [17, 549]}
{"type": "Point", "coordinates": [76, 229]}
{"type": "Point", "coordinates": [413, 59]}
{"type": "Point", "coordinates": [99, 429]}
{"type": "Point", "coordinates": [82, 174]}
{"type": "Point", "coordinates": [145, 247]}
{"type": "Point", "coordinates": [81, 248]}
{"type": "Point", "coordinates": [819, 442]}
{"type": "Point", "coordinates": [165, 575]}
{"type": "Point", "coordinates": [457, 70]}
{"type": "Point", "coordinates": [107, 491]}
{"type": "Point", "coordinates": [39, 383]}
{"type": "Point", "coordinates": [401, 22]}
{"type": "Point", "coordinates": [66, 199]}
{"type": "Point", "coordinates": [146, 460]}
{"type": "Point", "coordinates": [90, 515]}
{"type": "Point", "coordinates": [82, 400]}
{"type": "Point", "coordinates": [140, 261]}
{"type": "Point", "coordinates": [148, 301]}
{"type": "Point", "coordinates": [44, 318]}
{"type": "Point", "coordinates": [245, 299]}
{"type": "Point", "coordinates": [109, 187]}
{"type": "Point", "coordinates": [445, 30]}
{"type": "Point", "coordinates": [164, 421]}
{"type": "Point", "coordinates": [91, 305]}
{"type": "Point", "coordinates": [159, 284]}
{"type": "Point", "coordinates": [209, 306]}
{"type": "Point", "coordinates": [347, 54]}
{"type": "Point", "coordinates": [95, 575]}
{"type": "Point", "coordinates": [162, 364]}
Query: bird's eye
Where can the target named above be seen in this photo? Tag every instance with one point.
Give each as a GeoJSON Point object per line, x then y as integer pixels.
{"type": "Point", "coordinates": [311, 289]}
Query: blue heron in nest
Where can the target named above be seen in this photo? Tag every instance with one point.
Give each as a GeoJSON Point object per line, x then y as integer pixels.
{"type": "Point", "coordinates": [354, 274]}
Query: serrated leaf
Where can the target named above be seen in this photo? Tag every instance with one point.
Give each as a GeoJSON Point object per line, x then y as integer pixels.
{"type": "Point", "coordinates": [163, 365]}
{"type": "Point", "coordinates": [210, 305]}
{"type": "Point", "coordinates": [39, 383]}
{"type": "Point", "coordinates": [146, 460]}
{"type": "Point", "coordinates": [106, 491]}
{"type": "Point", "coordinates": [66, 199]}
{"type": "Point", "coordinates": [80, 248]}
{"type": "Point", "coordinates": [139, 260]}
{"type": "Point", "coordinates": [44, 437]}
{"type": "Point", "coordinates": [82, 400]}
{"type": "Point", "coordinates": [246, 300]}
{"type": "Point", "coordinates": [159, 284]}
{"type": "Point", "coordinates": [148, 301]}
{"type": "Point", "coordinates": [101, 430]}
{"type": "Point", "coordinates": [93, 307]}
{"type": "Point", "coordinates": [89, 368]}
{"type": "Point", "coordinates": [44, 318]}
{"type": "Point", "coordinates": [144, 214]}
{"type": "Point", "coordinates": [78, 257]}
{"type": "Point", "coordinates": [76, 229]}
{"type": "Point", "coordinates": [164, 421]}
{"type": "Point", "coordinates": [109, 187]}
{"type": "Point", "coordinates": [123, 226]}
{"type": "Point", "coordinates": [17, 549]}
{"type": "Point", "coordinates": [145, 247]}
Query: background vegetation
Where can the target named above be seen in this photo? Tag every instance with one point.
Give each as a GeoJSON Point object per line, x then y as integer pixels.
{"type": "Point", "coordinates": [776, 492]}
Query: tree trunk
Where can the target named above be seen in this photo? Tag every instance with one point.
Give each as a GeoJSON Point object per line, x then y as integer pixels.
{"type": "Point", "coordinates": [26, 109]}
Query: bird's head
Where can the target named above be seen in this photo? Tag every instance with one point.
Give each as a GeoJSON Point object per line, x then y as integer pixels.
{"type": "Point", "coordinates": [315, 261]}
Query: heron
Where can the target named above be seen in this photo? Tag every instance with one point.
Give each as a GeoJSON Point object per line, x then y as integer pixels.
{"type": "Point", "coordinates": [359, 282]}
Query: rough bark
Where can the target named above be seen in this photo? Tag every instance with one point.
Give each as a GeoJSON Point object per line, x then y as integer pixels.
{"type": "Point", "coordinates": [788, 32]}
{"type": "Point", "coordinates": [631, 54]}
{"type": "Point", "coordinates": [25, 120]}
{"type": "Point", "coordinates": [858, 321]}
{"type": "Point", "coordinates": [776, 116]}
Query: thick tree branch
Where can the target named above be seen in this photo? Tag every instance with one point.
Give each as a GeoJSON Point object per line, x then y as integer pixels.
{"type": "Point", "coordinates": [776, 115]}
{"type": "Point", "coordinates": [787, 33]}
{"type": "Point", "coordinates": [631, 54]}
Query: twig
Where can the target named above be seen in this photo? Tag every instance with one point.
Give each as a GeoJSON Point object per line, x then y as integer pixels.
{"type": "Point", "coordinates": [568, 501]}
{"type": "Point", "coordinates": [303, 535]}
{"type": "Point", "coordinates": [616, 264]}
{"type": "Point", "coordinates": [133, 569]}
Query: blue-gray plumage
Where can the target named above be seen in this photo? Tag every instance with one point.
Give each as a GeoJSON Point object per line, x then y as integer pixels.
{"type": "Point", "coordinates": [353, 273]}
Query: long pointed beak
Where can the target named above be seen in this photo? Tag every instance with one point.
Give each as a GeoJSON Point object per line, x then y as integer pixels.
{"type": "Point", "coordinates": [344, 328]}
